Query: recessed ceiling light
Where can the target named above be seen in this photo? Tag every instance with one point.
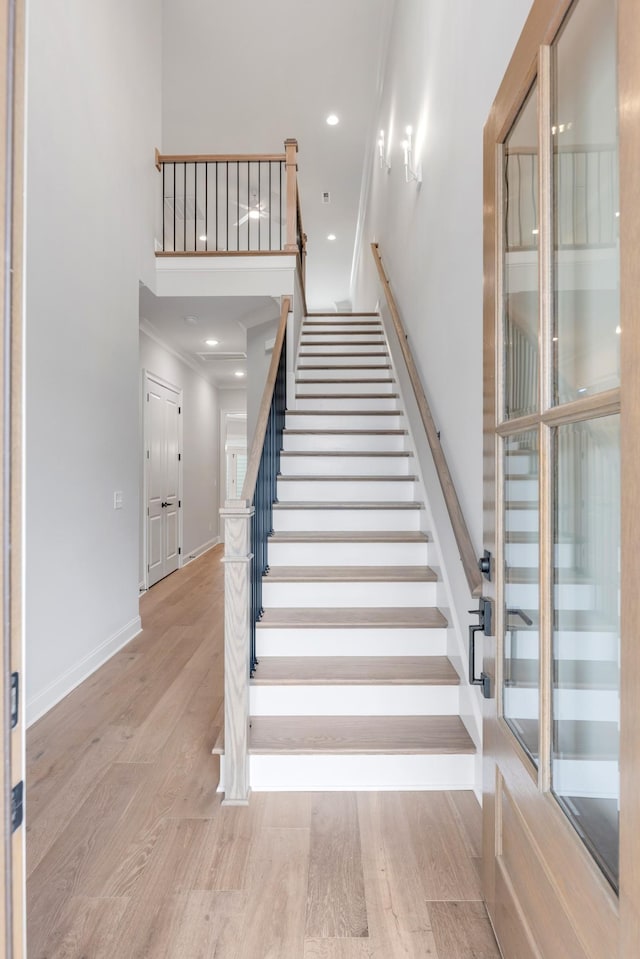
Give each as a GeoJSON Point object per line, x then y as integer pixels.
{"type": "Point", "coordinates": [331, 236]}
{"type": "Point", "coordinates": [203, 239]}
{"type": "Point", "coordinates": [211, 342]}
{"type": "Point", "coordinates": [239, 373]}
{"type": "Point", "coordinates": [193, 320]}
{"type": "Point", "coordinates": [332, 119]}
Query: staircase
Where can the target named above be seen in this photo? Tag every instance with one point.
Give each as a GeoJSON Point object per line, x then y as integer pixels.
{"type": "Point", "coordinates": [354, 688]}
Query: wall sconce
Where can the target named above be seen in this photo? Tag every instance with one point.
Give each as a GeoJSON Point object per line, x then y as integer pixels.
{"type": "Point", "coordinates": [384, 163]}
{"type": "Point", "coordinates": [409, 172]}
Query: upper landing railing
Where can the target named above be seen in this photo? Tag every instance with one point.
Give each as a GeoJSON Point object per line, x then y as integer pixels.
{"type": "Point", "coordinates": [234, 204]}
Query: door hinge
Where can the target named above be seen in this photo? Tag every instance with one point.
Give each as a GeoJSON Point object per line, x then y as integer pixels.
{"type": "Point", "coordinates": [147, 454]}
{"type": "Point", "coordinates": [15, 698]}
{"type": "Point", "coordinates": [179, 550]}
{"type": "Point", "coordinates": [179, 504]}
{"type": "Point", "coordinates": [17, 806]}
{"type": "Point", "coordinates": [179, 456]}
{"type": "Point", "coordinates": [147, 510]}
{"type": "Point", "coordinates": [179, 410]}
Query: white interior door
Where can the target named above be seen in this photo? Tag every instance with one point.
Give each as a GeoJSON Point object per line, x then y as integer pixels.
{"type": "Point", "coordinates": [163, 411]}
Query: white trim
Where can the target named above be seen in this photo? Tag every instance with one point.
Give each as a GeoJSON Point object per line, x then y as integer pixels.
{"type": "Point", "coordinates": [76, 674]}
{"type": "Point", "coordinates": [147, 377]}
{"type": "Point", "coordinates": [200, 550]}
{"type": "Point", "coordinates": [148, 330]}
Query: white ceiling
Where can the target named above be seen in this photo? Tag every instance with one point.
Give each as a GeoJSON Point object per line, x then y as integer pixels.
{"type": "Point", "coordinates": [241, 76]}
{"type": "Point", "coordinates": [222, 318]}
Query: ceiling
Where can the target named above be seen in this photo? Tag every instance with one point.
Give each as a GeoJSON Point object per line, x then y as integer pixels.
{"type": "Point", "coordinates": [243, 76]}
{"type": "Point", "coordinates": [185, 324]}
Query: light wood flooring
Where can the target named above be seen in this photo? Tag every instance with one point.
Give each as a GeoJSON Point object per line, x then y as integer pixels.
{"type": "Point", "coordinates": [131, 855]}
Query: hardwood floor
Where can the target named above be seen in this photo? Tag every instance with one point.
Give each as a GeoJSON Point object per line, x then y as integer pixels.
{"type": "Point", "coordinates": [130, 854]}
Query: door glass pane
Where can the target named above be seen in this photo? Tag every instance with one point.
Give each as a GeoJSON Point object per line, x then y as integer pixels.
{"type": "Point", "coordinates": [521, 592]}
{"type": "Point", "coordinates": [521, 284]}
{"type": "Point", "coordinates": [586, 207]}
{"type": "Point", "coordinates": [586, 633]}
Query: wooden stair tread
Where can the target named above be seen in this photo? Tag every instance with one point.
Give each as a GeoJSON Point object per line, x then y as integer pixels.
{"type": "Point", "coordinates": [345, 413]}
{"type": "Point", "coordinates": [348, 504]}
{"type": "Point", "coordinates": [568, 674]}
{"type": "Point", "coordinates": [307, 342]}
{"type": "Point", "coordinates": [527, 575]}
{"type": "Point", "coordinates": [349, 353]}
{"type": "Point", "coordinates": [359, 366]}
{"type": "Point", "coordinates": [345, 315]}
{"type": "Point", "coordinates": [406, 478]}
{"type": "Point", "coordinates": [345, 379]}
{"type": "Point", "coordinates": [359, 734]}
{"type": "Point", "coordinates": [371, 617]}
{"type": "Point", "coordinates": [351, 574]}
{"type": "Point", "coordinates": [346, 396]}
{"type": "Point", "coordinates": [318, 432]}
{"type": "Point", "coordinates": [349, 537]}
{"type": "Point", "coordinates": [346, 453]}
{"type": "Point", "coordinates": [356, 670]}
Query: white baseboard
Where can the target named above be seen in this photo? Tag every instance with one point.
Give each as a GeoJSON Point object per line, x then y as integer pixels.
{"type": "Point", "coordinates": [199, 551]}
{"type": "Point", "coordinates": [64, 684]}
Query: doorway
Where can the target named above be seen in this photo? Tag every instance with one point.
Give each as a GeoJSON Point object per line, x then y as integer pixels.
{"type": "Point", "coordinates": [163, 477]}
{"type": "Point", "coordinates": [562, 340]}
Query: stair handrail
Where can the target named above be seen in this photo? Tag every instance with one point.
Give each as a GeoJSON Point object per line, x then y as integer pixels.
{"type": "Point", "coordinates": [456, 516]}
{"type": "Point", "coordinates": [253, 462]}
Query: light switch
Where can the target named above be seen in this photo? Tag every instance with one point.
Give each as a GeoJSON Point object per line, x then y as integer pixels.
{"type": "Point", "coordinates": [117, 499]}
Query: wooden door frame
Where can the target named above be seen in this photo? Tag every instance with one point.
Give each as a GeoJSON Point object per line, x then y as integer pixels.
{"type": "Point", "coordinates": [149, 377]}
{"type": "Point", "coordinates": [12, 72]}
{"type": "Point", "coordinates": [541, 27]}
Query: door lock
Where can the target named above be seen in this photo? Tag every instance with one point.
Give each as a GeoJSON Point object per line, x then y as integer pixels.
{"type": "Point", "coordinates": [484, 565]}
{"type": "Point", "coordinates": [482, 626]}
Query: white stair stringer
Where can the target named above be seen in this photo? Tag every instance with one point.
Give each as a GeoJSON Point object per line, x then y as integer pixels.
{"type": "Point", "coordinates": [352, 583]}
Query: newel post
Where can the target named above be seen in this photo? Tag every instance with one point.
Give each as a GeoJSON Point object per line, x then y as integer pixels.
{"type": "Point", "coordinates": [236, 516]}
{"type": "Point", "coordinates": [291, 168]}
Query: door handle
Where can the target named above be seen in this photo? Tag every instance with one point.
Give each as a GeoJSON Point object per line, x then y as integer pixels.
{"type": "Point", "coordinates": [482, 626]}
{"type": "Point", "coordinates": [162, 505]}
{"type": "Point", "coordinates": [521, 613]}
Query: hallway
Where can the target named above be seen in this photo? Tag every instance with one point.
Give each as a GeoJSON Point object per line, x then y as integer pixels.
{"type": "Point", "coordinates": [130, 853]}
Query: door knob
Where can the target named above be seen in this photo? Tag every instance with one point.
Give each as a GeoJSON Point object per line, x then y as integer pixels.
{"type": "Point", "coordinates": [162, 505]}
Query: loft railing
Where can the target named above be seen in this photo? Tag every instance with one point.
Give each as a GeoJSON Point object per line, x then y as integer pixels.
{"type": "Point", "coordinates": [214, 205]}
{"type": "Point", "coordinates": [587, 180]}
{"type": "Point", "coordinates": [458, 524]}
{"type": "Point", "coordinates": [247, 525]}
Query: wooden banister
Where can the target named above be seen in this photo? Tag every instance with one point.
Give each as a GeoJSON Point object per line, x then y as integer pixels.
{"type": "Point", "coordinates": [291, 171]}
{"type": "Point", "coordinates": [219, 158]}
{"type": "Point", "coordinates": [253, 463]}
{"type": "Point", "coordinates": [460, 530]}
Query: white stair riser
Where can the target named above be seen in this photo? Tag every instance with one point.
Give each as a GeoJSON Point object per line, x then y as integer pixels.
{"type": "Point", "coordinates": [360, 772]}
{"type": "Point", "coordinates": [520, 464]}
{"type": "Point", "coordinates": [350, 642]}
{"type": "Point", "coordinates": [568, 704]}
{"type": "Point", "coordinates": [343, 421]}
{"type": "Point", "coordinates": [571, 596]}
{"type": "Point", "coordinates": [527, 555]}
{"type": "Point", "coordinates": [342, 363]}
{"type": "Point", "coordinates": [364, 595]}
{"type": "Point", "coordinates": [339, 442]}
{"type": "Point", "coordinates": [343, 489]}
{"type": "Point", "coordinates": [301, 465]}
{"type": "Point", "coordinates": [357, 371]}
{"type": "Point", "coordinates": [357, 403]}
{"type": "Point", "coordinates": [379, 385]}
{"type": "Point", "coordinates": [341, 328]}
{"type": "Point", "coordinates": [586, 777]}
{"type": "Point", "coordinates": [346, 520]}
{"type": "Point", "coordinates": [338, 700]}
{"type": "Point", "coordinates": [370, 346]}
{"type": "Point", "coordinates": [521, 520]}
{"type": "Point", "coordinates": [521, 490]}
{"type": "Point", "coordinates": [571, 645]}
{"type": "Point", "coordinates": [349, 554]}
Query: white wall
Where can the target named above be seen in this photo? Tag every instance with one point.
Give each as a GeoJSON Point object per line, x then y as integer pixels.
{"type": "Point", "coordinates": [200, 443]}
{"type": "Point", "coordinates": [93, 119]}
{"type": "Point", "coordinates": [445, 63]}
